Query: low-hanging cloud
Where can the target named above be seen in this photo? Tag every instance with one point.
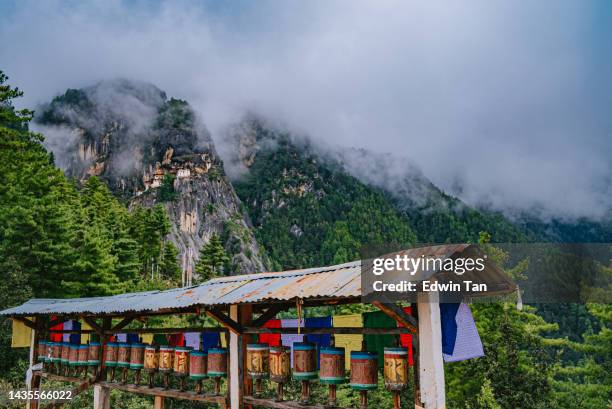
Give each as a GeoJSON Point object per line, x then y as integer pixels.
{"type": "Point", "coordinates": [502, 103]}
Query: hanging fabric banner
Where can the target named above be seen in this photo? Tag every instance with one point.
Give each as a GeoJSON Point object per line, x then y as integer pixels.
{"type": "Point", "coordinates": [21, 336]}
{"type": "Point", "coordinates": [350, 342]}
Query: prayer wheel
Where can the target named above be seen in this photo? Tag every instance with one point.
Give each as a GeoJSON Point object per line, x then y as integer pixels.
{"type": "Point", "coordinates": [56, 356]}
{"type": "Point", "coordinates": [280, 368]}
{"type": "Point", "coordinates": [217, 366]}
{"type": "Point", "coordinates": [65, 357]}
{"type": "Point", "coordinates": [305, 366]}
{"type": "Point", "coordinates": [258, 364]}
{"type": "Point", "coordinates": [83, 353]}
{"type": "Point", "coordinates": [73, 357]}
{"type": "Point", "coordinates": [332, 371]}
{"type": "Point", "coordinates": [181, 364]}
{"type": "Point", "coordinates": [396, 372]}
{"type": "Point", "coordinates": [137, 360]}
{"type": "Point", "coordinates": [166, 360]}
{"type": "Point", "coordinates": [197, 368]}
{"type": "Point", "coordinates": [123, 359]}
{"type": "Point", "coordinates": [110, 357]}
{"type": "Point", "coordinates": [93, 356]}
{"type": "Point", "coordinates": [364, 374]}
{"type": "Point", "coordinates": [151, 362]}
{"type": "Point", "coordinates": [42, 351]}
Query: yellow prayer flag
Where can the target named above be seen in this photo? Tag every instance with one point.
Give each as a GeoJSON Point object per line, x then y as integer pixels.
{"type": "Point", "coordinates": [147, 338]}
{"type": "Point", "coordinates": [85, 337]}
{"type": "Point", "coordinates": [223, 342]}
{"type": "Point", "coordinates": [22, 335]}
{"type": "Point", "coordinates": [350, 342]}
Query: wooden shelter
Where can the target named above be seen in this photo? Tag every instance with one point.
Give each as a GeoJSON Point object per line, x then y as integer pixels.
{"type": "Point", "coordinates": [241, 305]}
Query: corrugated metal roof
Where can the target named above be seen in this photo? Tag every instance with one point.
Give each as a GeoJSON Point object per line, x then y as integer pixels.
{"type": "Point", "coordinates": [333, 282]}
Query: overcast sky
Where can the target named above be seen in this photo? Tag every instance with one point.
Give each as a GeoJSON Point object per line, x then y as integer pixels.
{"type": "Point", "coordinates": [505, 103]}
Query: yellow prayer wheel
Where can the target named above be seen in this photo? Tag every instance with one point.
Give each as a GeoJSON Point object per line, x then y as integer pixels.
{"type": "Point", "coordinates": [181, 361]}
{"type": "Point", "coordinates": [258, 360]}
{"type": "Point", "coordinates": [280, 364]}
{"type": "Point", "coordinates": [396, 368]}
{"type": "Point", "coordinates": [151, 358]}
{"type": "Point", "coordinates": [166, 358]}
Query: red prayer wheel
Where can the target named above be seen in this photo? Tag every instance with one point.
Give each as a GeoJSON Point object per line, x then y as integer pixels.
{"type": "Point", "coordinates": [56, 352]}
{"type": "Point", "coordinates": [217, 363]}
{"type": "Point", "coordinates": [197, 365]}
{"type": "Point", "coordinates": [93, 355]}
{"type": "Point", "coordinates": [364, 374]}
{"type": "Point", "coordinates": [123, 355]}
{"type": "Point", "coordinates": [364, 370]}
{"type": "Point", "coordinates": [110, 356]}
{"type": "Point", "coordinates": [65, 357]}
{"type": "Point", "coordinates": [73, 355]}
{"type": "Point", "coordinates": [83, 351]}
{"type": "Point", "coordinates": [217, 366]}
{"type": "Point", "coordinates": [304, 361]}
{"type": "Point", "coordinates": [42, 351]}
{"type": "Point", "coordinates": [331, 371]}
{"type": "Point", "coordinates": [304, 367]}
{"type": "Point", "coordinates": [332, 366]}
{"type": "Point", "coordinates": [137, 356]}
{"type": "Point", "coordinates": [280, 364]}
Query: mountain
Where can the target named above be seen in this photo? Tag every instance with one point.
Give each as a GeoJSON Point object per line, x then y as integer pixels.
{"type": "Point", "coordinates": [150, 149]}
{"type": "Point", "coordinates": [303, 204]}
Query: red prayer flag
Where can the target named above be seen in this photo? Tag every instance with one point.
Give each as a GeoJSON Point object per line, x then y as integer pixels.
{"type": "Point", "coordinates": [177, 340]}
{"type": "Point", "coordinates": [406, 339]}
{"type": "Point", "coordinates": [273, 340]}
{"type": "Point", "coordinates": [56, 337]}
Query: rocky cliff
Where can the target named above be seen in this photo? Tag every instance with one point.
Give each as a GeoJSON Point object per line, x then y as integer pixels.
{"type": "Point", "coordinates": [151, 149]}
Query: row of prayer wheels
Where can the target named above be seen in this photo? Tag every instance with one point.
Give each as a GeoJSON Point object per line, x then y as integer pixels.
{"type": "Point", "coordinates": [182, 362]}
{"type": "Point", "coordinates": [66, 358]}
{"type": "Point", "coordinates": [263, 361]}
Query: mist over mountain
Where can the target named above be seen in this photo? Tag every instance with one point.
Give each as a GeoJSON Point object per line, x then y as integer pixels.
{"type": "Point", "coordinates": [150, 149]}
{"type": "Point", "coordinates": [136, 139]}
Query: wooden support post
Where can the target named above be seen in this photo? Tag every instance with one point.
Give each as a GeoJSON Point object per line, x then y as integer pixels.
{"type": "Point", "coordinates": [239, 383]}
{"type": "Point", "coordinates": [33, 380]}
{"type": "Point", "coordinates": [101, 397]}
{"type": "Point", "coordinates": [159, 402]}
{"type": "Point", "coordinates": [431, 365]}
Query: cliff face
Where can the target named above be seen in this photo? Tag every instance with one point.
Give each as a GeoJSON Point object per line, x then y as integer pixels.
{"type": "Point", "coordinates": [150, 149]}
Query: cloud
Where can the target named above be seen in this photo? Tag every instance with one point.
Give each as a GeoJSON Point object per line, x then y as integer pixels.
{"type": "Point", "coordinates": [502, 103]}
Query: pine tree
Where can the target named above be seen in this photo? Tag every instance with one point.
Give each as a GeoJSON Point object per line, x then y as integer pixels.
{"type": "Point", "coordinates": [212, 259]}
{"type": "Point", "coordinates": [169, 267]}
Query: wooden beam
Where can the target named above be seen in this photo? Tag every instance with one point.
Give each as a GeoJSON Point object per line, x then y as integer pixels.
{"type": "Point", "coordinates": [94, 325]}
{"type": "Point", "coordinates": [270, 313]}
{"type": "Point", "coordinates": [398, 314]}
{"type": "Point", "coordinates": [270, 403]}
{"type": "Point", "coordinates": [166, 393]}
{"type": "Point", "coordinates": [123, 323]}
{"type": "Point", "coordinates": [158, 403]}
{"type": "Point", "coordinates": [224, 320]}
{"type": "Point", "coordinates": [328, 330]}
{"type": "Point", "coordinates": [431, 365]}
{"type": "Point", "coordinates": [34, 380]}
{"type": "Point", "coordinates": [169, 330]}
